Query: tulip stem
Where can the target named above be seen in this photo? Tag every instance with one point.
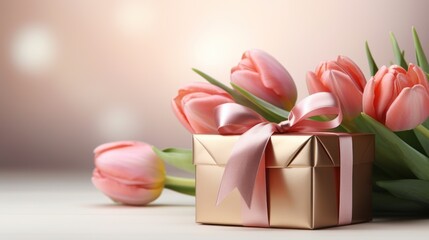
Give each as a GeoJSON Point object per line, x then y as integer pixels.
{"type": "Point", "coordinates": [424, 131]}
{"type": "Point", "coordinates": [181, 185]}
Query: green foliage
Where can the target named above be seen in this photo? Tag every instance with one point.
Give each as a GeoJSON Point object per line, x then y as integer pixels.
{"type": "Point", "coordinates": [372, 65]}
{"type": "Point", "coordinates": [177, 157]}
{"type": "Point", "coordinates": [275, 113]}
{"type": "Point", "coordinates": [412, 189]}
{"type": "Point", "coordinates": [245, 98]}
{"type": "Point", "coordinates": [399, 55]}
{"type": "Point", "coordinates": [420, 54]}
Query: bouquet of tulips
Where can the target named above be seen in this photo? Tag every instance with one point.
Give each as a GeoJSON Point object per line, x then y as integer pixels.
{"type": "Point", "coordinates": [393, 104]}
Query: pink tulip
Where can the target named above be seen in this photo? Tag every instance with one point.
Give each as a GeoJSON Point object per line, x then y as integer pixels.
{"type": "Point", "coordinates": [344, 79]}
{"type": "Point", "coordinates": [262, 75]}
{"type": "Point", "coordinates": [194, 106]}
{"type": "Point", "coordinates": [397, 98]}
{"type": "Point", "coordinates": [128, 172]}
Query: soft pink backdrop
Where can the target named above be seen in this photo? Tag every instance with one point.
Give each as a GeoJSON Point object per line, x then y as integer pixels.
{"type": "Point", "coordinates": [75, 74]}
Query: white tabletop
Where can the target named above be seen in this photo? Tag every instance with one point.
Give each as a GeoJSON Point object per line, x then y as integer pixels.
{"type": "Point", "coordinates": [49, 205]}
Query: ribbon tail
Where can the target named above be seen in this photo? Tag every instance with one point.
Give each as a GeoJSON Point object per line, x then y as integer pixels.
{"type": "Point", "coordinates": [257, 214]}
{"type": "Point", "coordinates": [241, 171]}
{"type": "Point", "coordinates": [345, 210]}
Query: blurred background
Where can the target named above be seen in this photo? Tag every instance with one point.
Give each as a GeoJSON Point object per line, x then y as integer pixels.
{"type": "Point", "coordinates": [75, 74]}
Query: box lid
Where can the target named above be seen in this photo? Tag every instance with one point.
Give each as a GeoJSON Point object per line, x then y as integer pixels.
{"type": "Point", "coordinates": [286, 150]}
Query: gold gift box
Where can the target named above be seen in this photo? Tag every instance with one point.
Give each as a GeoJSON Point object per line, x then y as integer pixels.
{"type": "Point", "coordinates": [302, 174]}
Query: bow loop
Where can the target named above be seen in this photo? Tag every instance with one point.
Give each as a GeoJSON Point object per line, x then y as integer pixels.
{"type": "Point", "coordinates": [232, 118]}
{"type": "Point", "coordinates": [247, 162]}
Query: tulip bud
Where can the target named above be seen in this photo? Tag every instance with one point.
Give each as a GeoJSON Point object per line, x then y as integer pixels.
{"type": "Point", "coordinates": [342, 78]}
{"type": "Point", "coordinates": [397, 98]}
{"type": "Point", "coordinates": [263, 76]}
{"type": "Point", "coordinates": [128, 172]}
{"type": "Point", "coordinates": [195, 106]}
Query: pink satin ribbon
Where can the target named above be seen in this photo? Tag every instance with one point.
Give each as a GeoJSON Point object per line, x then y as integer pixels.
{"type": "Point", "coordinates": [245, 169]}
{"type": "Point", "coordinates": [345, 208]}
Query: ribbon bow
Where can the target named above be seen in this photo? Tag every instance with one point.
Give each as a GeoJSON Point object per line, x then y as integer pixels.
{"type": "Point", "coordinates": [245, 169]}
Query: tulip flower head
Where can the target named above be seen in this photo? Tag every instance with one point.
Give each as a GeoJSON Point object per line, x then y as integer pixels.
{"type": "Point", "coordinates": [262, 75]}
{"type": "Point", "coordinates": [398, 98]}
{"type": "Point", "coordinates": [128, 172]}
{"type": "Point", "coordinates": [342, 78]}
{"type": "Point", "coordinates": [195, 106]}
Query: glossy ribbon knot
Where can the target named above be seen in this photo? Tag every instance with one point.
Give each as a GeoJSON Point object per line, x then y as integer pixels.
{"type": "Point", "coordinates": [245, 169]}
{"type": "Point", "coordinates": [233, 118]}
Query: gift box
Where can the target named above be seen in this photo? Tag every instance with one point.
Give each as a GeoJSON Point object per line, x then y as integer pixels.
{"type": "Point", "coordinates": [311, 181]}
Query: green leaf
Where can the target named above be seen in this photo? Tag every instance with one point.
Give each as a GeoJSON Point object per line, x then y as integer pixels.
{"type": "Point", "coordinates": [240, 99]}
{"type": "Point", "coordinates": [393, 155]}
{"type": "Point", "coordinates": [417, 60]}
{"type": "Point", "coordinates": [385, 204]}
{"type": "Point", "coordinates": [409, 136]}
{"type": "Point", "coordinates": [388, 161]}
{"type": "Point", "coordinates": [179, 158]}
{"type": "Point", "coordinates": [379, 174]}
{"type": "Point", "coordinates": [275, 113]}
{"type": "Point", "coordinates": [422, 134]}
{"type": "Point", "coordinates": [398, 53]}
{"type": "Point", "coordinates": [421, 57]}
{"type": "Point", "coordinates": [372, 65]}
{"type": "Point", "coordinates": [410, 189]}
{"type": "Point", "coordinates": [214, 81]}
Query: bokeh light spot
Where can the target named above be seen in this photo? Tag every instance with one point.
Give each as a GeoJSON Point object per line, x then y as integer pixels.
{"type": "Point", "coordinates": [117, 123]}
{"type": "Point", "coordinates": [33, 49]}
{"type": "Point", "coordinates": [133, 17]}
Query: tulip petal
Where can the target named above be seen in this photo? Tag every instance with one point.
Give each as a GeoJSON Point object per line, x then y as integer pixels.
{"type": "Point", "coordinates": [322, 67]}
{"type": "Point", "coordinates": [384, 95]}
{"type": "Point", "coordinates": [368, 99]}
{"type": "Point", "coordinates": [403, 81]}
{"type": "Point", "coordinates": [137, 164]}
{"type": "Point", "coordinates": [112, 145]}
{"type": "Point", "coordinates": [246, 64]}
{"type": "Point", "coordinates": [266, 109]}
{"type": "Point", "coordinates": [409, 109]}
{"type": "Point", "coordinates": [412, 75]}
{"type": "Point", "coordinates": [353, 70]}
{"type": "Point", "coordinates": [379, 75]}
{"type": "Point", "coordinates": [420, 75]}
{"type": "Point", "coordinates": [250, 82]}
{"type": "Point", "coordinates": [199, 109]}
{"type": "Point", "coordinates": [127, 194]}
{"type": "Point", "coordinates": [195, 88]}
{"type": "Point", "coordinates": [274, 75]}
{"type": "Point", "coordinates": [348, 93]}
{"type": "Point", "coordinates": [314, 85]}
{"type": "Point", "coordinates": [397, 69]}
{"type": "Point", "coordinates": [334, 65]}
